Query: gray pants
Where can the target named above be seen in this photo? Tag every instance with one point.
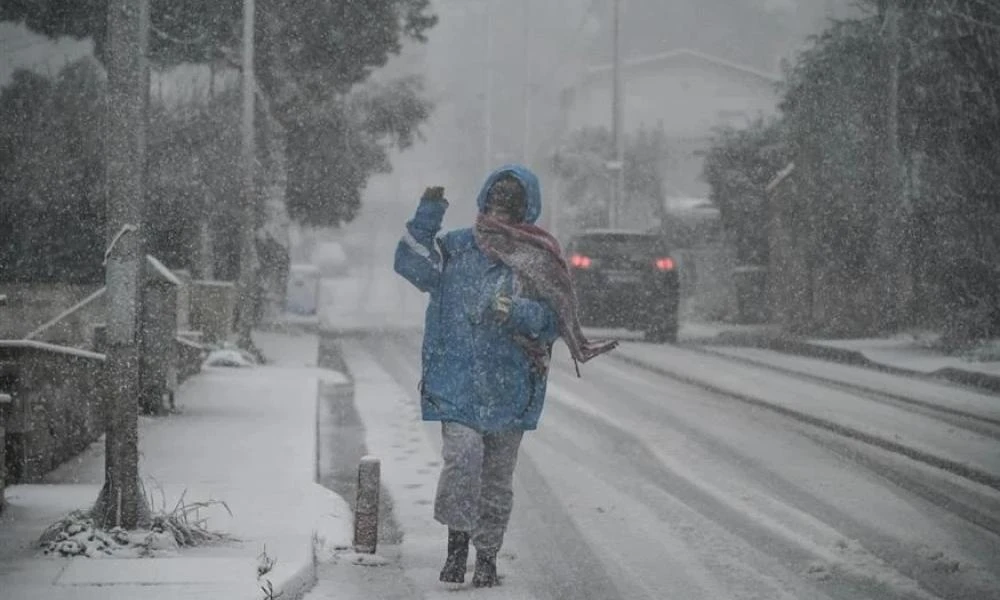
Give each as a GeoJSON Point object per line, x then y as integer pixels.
{"type": "Point", "coordinates": [475, 492]}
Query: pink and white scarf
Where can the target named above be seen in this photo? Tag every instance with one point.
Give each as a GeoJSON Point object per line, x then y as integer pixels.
{"type": "Point", "coordinates": [536, 258]}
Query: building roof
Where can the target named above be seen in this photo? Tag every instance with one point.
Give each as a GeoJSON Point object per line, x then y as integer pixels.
{"type": "Point", "coordinates": [678, 56]}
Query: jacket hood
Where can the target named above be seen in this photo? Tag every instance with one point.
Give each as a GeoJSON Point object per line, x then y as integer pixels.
{"type": "Point", "coordinates": [532, 189]}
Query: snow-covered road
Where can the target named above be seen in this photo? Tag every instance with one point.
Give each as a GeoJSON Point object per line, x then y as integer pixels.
{"type": "Point", "coordinates": [669, 473]}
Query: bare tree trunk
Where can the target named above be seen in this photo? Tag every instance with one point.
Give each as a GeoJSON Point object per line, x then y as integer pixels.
{"type": "Point", "coordinates": [891, 247]}
{"type": "Point", "coordinates": [121, 502]}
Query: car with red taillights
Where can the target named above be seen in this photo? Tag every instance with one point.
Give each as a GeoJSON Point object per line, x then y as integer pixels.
{"type": "Point", "coordinates": [625, 279]}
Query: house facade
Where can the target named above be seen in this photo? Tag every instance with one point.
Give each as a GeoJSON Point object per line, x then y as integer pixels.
{"type": "Point", "coordinates": [687, 93]}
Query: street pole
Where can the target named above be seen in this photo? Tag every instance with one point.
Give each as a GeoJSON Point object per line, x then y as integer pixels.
{"type": "Point", "coordinates": [528, 84]}
{"type": "Point", "coordinates": [121, 502]}
{"type": "Point", "coordinates": [488, 100]}
{"type": "Point", "coordinates": [617, 122]}
{"type": "Point", "coordinates": [248, 195]}
{"type": "Point", "coordinates": [206, 255]}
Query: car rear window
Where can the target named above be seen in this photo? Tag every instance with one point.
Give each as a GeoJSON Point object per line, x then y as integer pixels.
{"type": "Point", "coordinates": [619, 244]}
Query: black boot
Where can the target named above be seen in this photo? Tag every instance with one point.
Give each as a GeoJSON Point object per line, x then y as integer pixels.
{"type": "Point", "coordinates": [458, 556]}
{"type": "Point", "coordinates": [486, 570]}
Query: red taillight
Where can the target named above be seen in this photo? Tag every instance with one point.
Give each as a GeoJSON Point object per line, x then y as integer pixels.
{"type": "Point", "coordinates": [580, 261]}
{"type": "Point", "coordinates": [665, 264]}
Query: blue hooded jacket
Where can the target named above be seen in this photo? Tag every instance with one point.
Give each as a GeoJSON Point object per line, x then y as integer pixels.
{"type": "Point", "coordinates": [474, 372]}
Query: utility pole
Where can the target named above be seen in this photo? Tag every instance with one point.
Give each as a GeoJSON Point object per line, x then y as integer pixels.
{"type": "Point", "coordinates": [248, 222]}
{"type": "Point", "coordinates": [488, 100]}
{"type": "Point", "coordinates": [121, 502]}
{"type": "Point", "coordinates": [526, 91]}
{"type": "Point", "coordinates": [617, 122]}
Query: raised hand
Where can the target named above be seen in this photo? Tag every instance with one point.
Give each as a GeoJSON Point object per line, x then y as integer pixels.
{"type": "Point", "coordinates": [434, 193]}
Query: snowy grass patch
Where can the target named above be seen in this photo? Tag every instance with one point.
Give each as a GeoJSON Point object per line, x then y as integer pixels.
{"type": "Point", "coordinates": [77, 535]}
{"type": "Point", "coordinates": [987, 351]}
{"type": "Point", "coordinates": [185, 523]}
{"type": "Point", "coordinates": [920, 338]}
{"type": "Point", "coordinates": [165, 531]}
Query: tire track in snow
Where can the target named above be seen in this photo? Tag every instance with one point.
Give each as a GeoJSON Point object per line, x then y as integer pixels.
{"type": "Point", "coordinates": [758, 519]}
{"type": "Point", "coordinates": [678, 411]}
{"type": "Point", "coordinates": [900, 561]}
{"type": "Point", "coordinates": [973, 472]}
{"type": "Point", "coordinates": [977, 422]}
{"type": "Point", "coordinates": [707, 573]}
{"type": "Point", "coordinates": [950, 491]}
{"type": "Point", "coordinates": [661, 540]}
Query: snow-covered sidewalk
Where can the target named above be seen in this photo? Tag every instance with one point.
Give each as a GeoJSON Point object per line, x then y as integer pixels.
{"type": "Point", "coordinates": [245, 436]}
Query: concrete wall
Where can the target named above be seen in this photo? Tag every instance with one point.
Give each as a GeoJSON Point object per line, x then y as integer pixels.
{"type": "Point", "coordinates": [56, 409]}
{"type": "Point", "coordinates": [157, 337]}
{"type": "Point", "coordinates": [190, 355]}
{"type": "Point", "coordinates": [56, 401]}
{"type": "Point", "coordinates": [213, 309]}
{"type": "Point", "coordinates": [183, 301]}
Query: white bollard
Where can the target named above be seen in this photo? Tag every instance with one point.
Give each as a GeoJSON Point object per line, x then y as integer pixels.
{"type": "Point", "coordinates": [366, 507]}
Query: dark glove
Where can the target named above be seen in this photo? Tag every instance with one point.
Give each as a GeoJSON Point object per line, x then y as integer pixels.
{"type": "Point", "coordinates": [435, 193]}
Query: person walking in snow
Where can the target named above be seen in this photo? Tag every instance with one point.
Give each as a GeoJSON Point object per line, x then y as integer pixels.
{"type": "Point", "coordinates": [500, 295]}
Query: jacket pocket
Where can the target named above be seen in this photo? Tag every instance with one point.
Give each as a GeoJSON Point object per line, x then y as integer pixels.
{"type": "Point", "coordinates": [425, 396]}
{"type": "Point", "coordinates": [532, 395]}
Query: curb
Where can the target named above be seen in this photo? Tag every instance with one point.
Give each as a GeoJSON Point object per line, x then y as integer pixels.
{"type": "Point", "coordinates": [295, 582]}
{"type": "Point", "coordinates": [362, 331]}
{"type": "Point", "coordinates": [291, 583]}
{"type": "Point", "coordinates": [291, 327]}
{"type": "Point", "coordinates": [798, 347]}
